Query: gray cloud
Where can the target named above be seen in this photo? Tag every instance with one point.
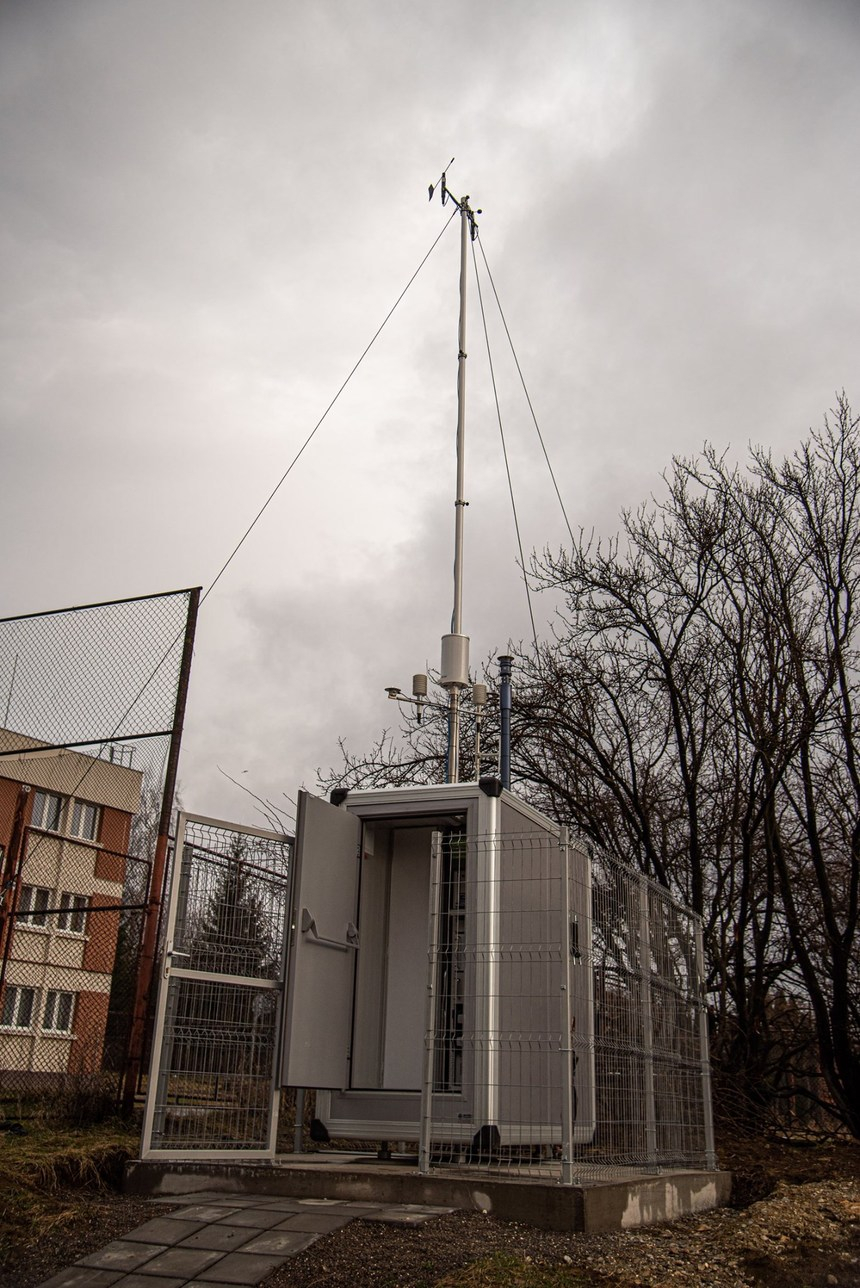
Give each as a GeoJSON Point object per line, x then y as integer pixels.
{"type": "Point", "coordinates": [209, 208]}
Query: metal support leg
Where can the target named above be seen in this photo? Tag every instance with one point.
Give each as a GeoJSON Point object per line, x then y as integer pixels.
{"type": "Point", "coordinates": [299, 1129]}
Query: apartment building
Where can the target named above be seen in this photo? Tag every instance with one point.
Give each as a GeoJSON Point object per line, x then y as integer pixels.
{"type": "Point", "coordinates": [62, 875]}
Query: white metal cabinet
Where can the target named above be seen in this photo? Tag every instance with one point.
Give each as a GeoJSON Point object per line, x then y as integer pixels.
{"type": "Point", "coordinates": [524, 971]}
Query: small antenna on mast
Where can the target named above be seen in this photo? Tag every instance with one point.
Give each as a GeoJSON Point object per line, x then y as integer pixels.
{"type": "Point", "coordinates": [441, 179]}
{"type": "Point", "coordinates": [462, 203]}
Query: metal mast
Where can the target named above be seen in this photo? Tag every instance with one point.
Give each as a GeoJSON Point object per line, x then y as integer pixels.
{"type": "Point", "coordinates": [455, 646]}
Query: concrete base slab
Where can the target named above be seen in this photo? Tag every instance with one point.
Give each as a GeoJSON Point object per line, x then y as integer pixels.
{"type": "Point", "coordinates": [626, 1200]}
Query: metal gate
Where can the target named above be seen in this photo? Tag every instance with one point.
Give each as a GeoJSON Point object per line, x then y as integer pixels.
{"type": "Point", "coordinates": [213, 1086]}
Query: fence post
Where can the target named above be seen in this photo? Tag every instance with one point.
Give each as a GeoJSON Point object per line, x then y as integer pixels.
{"type": "Point", "coordinates": [11, 878]}
{"type": "Point", "coordinates": [647, 1022]}
{"type": "Point", "coordinates": [159, 868]}
{"type": "Point", "coordinates": [704, 1052]}
{"type": "Point", "coordinates": [567, 1113]}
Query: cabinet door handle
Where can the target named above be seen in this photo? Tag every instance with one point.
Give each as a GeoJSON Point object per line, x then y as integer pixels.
{"type": "Point", "coordinates": [309, 927]}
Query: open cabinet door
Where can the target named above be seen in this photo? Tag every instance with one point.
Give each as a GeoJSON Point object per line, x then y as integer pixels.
{"type": "Point", "coordinates": [324, 942]}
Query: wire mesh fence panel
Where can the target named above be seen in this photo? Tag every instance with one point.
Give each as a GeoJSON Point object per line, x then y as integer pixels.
{"type": "Point", "coordinates": [564, 1033]}
{"type": "Point", "coordinates": [215, 1042]}
{"type": "Point", "coordinates": [218, 1047]}
{"type": "Point", "coordinates": [509, 1001]}
{"type": "Point", "coordinates": [652, 1109]}
{"type": "Point", "coordinates": [89, 699]}
{"type": "Point", "coordinates": [620, 1019]}
{"type": "Point", "coordinates": [230, 909]}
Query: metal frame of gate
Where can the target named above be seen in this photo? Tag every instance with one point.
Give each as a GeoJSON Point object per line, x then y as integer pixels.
{"type": "Point", "coordinates": [213, 1086]}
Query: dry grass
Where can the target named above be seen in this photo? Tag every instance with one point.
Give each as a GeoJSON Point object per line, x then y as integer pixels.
{"type": "Point", "coordinates": [47, 1174]}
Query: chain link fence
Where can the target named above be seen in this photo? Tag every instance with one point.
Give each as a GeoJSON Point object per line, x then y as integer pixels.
{"type": "Point", "coordinates": [69, 987]}
{"type": "Point", "coordinates": [92, 701]}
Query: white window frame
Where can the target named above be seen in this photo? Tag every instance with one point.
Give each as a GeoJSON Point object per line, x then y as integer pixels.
{"type": "Point", "coordinates": [72, 909]}
{"type": "Point", "coordinates": [84, 820]}
{"type": "Point", "coordinates": [42, 802]}
{"type": "Point", "coordinates": [57, 999]}
{"type": "Point", "coordinates": [28, 906]}
{"type": "Point", "coordinates": [17, 992]}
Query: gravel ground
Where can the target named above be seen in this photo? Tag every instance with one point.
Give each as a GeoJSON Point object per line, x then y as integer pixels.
{"type": "Point", "coordinates": [803, 1236]}
{"type": "Point", "coordinates": [798, 1232]}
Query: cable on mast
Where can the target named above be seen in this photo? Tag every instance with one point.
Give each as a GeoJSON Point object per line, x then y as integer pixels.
{"type": "Point", "coordinates": [526, 392]}
{"type": "Point", "coordinates": [505, 456]}
{"type": "Point", "coordinates": [307, 441]}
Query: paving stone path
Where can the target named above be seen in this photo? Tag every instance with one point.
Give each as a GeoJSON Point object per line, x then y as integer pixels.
{"type": "Point", "coordinates": [224, 1240]}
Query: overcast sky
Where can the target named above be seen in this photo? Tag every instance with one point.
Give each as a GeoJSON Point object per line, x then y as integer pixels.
{"type": "Point", "coordinates": [208, 207]}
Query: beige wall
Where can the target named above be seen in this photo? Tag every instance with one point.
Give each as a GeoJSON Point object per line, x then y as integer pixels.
{"type": "Point", "coordinates": [70, 773]}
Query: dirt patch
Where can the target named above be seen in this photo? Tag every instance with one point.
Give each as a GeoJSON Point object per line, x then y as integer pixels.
{"type": "Point", "coordinates": [58, 1197]}
{"type": "Point", "coordinates": [71, 1226]}
{"type": "Point", "coordinates": [757, 1166]}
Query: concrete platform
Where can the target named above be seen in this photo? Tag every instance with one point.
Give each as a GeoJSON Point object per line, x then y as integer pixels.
{"type": "Point", "coordinates": [623, 1200]}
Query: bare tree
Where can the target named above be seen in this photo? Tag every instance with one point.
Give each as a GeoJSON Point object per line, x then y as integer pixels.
{"type": "Point", "coordinates": [696, 714]}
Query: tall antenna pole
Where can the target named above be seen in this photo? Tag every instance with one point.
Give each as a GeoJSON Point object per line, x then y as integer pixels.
{"type": "Point", "coordinates": [455, 647]}
{"type": "Point", "coordinates": [460, 501]}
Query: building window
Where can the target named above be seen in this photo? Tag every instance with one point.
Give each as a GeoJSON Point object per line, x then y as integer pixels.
{"type": "Point", "coordinates": [32, 905]}
{"type": "Point", "coordinates": [73, 912]}
{"type": "Point", "coordinates": [59, 1009]}
{"type": "Point", "coordinates": [85, 820]}
{"type": "Point", "coordinates": [18, 1007]}
{"type": "Point", "coordinates": [47, 811]}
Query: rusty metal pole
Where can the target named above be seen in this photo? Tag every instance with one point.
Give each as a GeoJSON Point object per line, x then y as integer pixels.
{"type": "Point", "coordinates": [158, 876]}
{"type": "Point", "coordinates": [12, 877]}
